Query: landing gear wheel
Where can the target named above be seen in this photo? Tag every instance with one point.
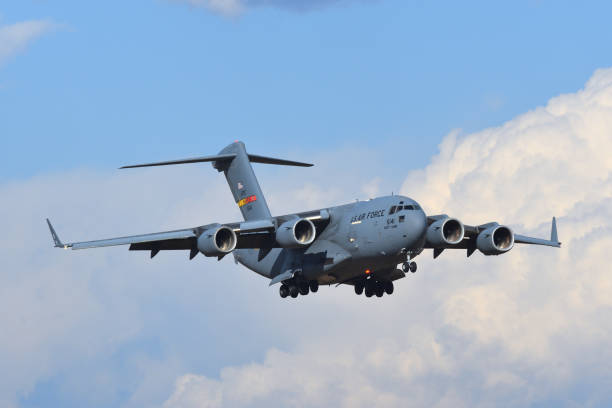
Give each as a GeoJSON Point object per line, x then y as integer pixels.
{"type": "Point", "coordinates": [369, 291]}
{"type": "Point", "coordinates": [304, 289]}
{"type": "Point", "coordinates": [294, 291]}
{"type": "Point", "coordinates": [389, 288]}
{"type": "Point", "coordinates": [314, 286]}
{"type": "Point", "coordinates": [413, 267]}
{"type": "Point", "coordinates": [284, 291]}
{"type": "Point", "coordinates": [406, 267]}
{"type": "Point", "coordinates": [380, 290]}
{"type": "Point", "coordinates": [358, 288]}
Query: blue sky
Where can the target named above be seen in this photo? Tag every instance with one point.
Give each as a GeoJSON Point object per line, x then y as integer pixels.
{"type": "Point", "coordinates": [118, 82]}
{"type": "Point", "coordinates": [455, 104]}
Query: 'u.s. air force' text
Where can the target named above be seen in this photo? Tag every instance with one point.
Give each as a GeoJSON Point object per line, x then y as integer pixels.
{"type": "Point", "coordinates": [365, 216]}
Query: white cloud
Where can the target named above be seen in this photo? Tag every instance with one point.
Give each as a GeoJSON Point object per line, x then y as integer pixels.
{"type": "Point", "coordinates": [228, 7]}
{"type": "Point", "coordinates": [530, 327]}
{"type": "Point", "coordinates": [233, 7]}
{"type": "Point", "coordinates": [109, 322]}
{"type": "Point", "coordinates": [14, 38]}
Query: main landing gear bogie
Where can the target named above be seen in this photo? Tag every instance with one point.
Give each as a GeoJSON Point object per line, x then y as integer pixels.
{"type": "Point", "coordinates": [409, 267]}
{"type": "Point", "coordinates": [294, 289]}
{"type": "Point", "coordinates": [373, 287]}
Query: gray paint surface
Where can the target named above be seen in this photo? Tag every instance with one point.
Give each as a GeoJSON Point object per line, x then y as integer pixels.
{"type": "Point", "coordinates": [355, 243]}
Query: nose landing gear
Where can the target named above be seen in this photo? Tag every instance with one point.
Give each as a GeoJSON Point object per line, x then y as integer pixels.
{"type": "Point", "coordinates": [409, 267]}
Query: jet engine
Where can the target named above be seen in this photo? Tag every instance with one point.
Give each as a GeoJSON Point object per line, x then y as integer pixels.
{"type": "Point", "coordinates": [448, 231]}
{"type": "Point", "coordinates": [296, 233]}
{"type": "Point", "coordinates": [495, 240]}
{"type": "Point", "coordinates": [217, 241]}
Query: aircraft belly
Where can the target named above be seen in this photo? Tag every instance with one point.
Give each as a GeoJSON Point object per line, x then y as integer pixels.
{"type": "Point", "coordinates": [268, 262]}
{"type": "Point", "coordinates": [323, 257]}
{"type": "Point", "coordinates": [360, 237]}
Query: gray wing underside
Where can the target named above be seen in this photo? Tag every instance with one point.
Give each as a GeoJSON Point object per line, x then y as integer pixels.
{"type": "Point", "coordinates": [185, 239]}
{"type": "Point", "coordinates": [472, 231]}
{"type": "Point", "coordinates": [169, 236]}
{"type": "Point", "coordinates": [250, 234]}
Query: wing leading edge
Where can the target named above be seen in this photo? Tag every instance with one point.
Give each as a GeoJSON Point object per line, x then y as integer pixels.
{"type": "Point", "coordinates": [249, 234]}
{"type": "Point", "coordinates": [184, 234]}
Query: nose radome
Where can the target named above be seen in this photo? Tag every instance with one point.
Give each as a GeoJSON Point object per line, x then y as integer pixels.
{"type": "Point", "coordinates": [418, 225]}
{"type": "Point", "coordinates": [422, 222]}
{"type": "Point", "coordinates": [414, 228]}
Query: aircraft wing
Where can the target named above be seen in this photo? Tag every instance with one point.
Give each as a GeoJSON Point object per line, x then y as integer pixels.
{"type": "Point", "coordinates": [168, 240]}
{"type": "Point", "coordinates": [249, 234]}
{"type": "Point", "coordinates": [472, 231]}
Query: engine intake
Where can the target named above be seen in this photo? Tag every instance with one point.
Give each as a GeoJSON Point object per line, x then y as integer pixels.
{"type": "Point", "coordinates": [495, 240]}
{"type": "Point", "coordinates": [448, 231]}
{"type": "Point", "coordinates": [217, 241]}
{"type": "Point", "coordinates": [296, 233]}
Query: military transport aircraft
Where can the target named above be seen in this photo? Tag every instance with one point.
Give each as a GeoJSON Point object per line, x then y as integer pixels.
{"type": "Point", "coordinates": [359, 244]}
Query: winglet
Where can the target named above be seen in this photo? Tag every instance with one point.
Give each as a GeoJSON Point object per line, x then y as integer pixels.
{"type": "Point", "coordinates": [56, 240]}
{"type": "Point", "coordinates": [553, 231]}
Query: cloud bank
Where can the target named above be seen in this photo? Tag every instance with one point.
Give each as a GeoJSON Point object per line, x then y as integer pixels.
{"type": "Point", "coordinates": [108, 327]}
{"type": "Point", "coordinates": [14, 38]}
{"type": "Point", "coordinates": [530, 327]}
{"type": "Point", "coordinates": [115, 328]}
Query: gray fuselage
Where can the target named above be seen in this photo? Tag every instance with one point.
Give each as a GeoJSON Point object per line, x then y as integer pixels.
{"type": "Point", "coordinates": [365, 237]}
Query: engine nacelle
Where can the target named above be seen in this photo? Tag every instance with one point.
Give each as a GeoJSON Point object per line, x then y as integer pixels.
{"type": "Point", "coordinates": [448, 231]}
{"type": "Point", "coordinates": [495, 240]}
{"type": "Point", "coordinates": [296, 233]}
{"type": "Point", "coordinates": [217, 241]}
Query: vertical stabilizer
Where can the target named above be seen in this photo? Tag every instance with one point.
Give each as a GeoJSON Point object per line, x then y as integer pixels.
{"type": "Point", "coordinates": [235, 163]}
{"type": "Point", "coordinates": [243, 183]}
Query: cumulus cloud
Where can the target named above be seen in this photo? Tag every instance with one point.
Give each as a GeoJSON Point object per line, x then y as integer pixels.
{"type": "Point", "coordinates": [14, 38]}
{"type": "Point", "coordinates": [529, 327]}
{"type": "Point", "coordinates": [108, 327]}
{"type": "Point", "coordinates": [233, 7]}
{"type": "Point", "coordinates": [111, 327]}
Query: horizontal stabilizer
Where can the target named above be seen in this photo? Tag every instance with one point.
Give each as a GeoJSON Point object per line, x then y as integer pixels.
{"type": "Point", "coordinates": [219, 157]}
{"type": "Point", "coordinates": [271, 160]}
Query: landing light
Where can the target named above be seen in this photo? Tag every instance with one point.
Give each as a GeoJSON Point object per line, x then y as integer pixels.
{"type": "Point", "coordinates": [367, 271]}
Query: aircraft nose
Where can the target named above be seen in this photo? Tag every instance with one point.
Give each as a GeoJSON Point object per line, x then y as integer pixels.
{"type": "Point", "coordinates": [416, 229]}
{"type": "Point", "coordinates": [421, 223]}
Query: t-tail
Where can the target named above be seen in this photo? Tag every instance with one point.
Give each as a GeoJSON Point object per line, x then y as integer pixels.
{"type": "Point", "coordinates": [235, 163]}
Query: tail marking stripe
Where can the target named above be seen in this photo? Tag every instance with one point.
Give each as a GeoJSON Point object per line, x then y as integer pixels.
{"type": "Point", "coordinates": [247, 200]}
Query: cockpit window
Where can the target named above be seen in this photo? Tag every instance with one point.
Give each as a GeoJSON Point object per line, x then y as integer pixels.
{"type": "Point", "coordinates": [408, 207]}
{"type": "Point", "coordinates": [392, 210]}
